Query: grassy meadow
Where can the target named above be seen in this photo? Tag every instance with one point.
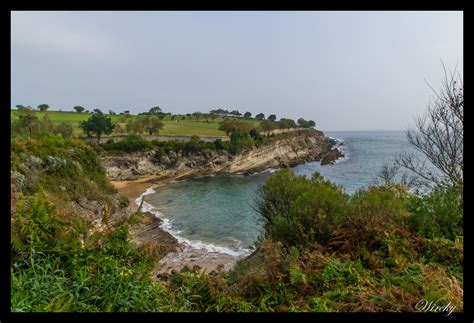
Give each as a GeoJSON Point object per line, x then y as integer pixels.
{"type": "Point", "coordinates": [188, 126]}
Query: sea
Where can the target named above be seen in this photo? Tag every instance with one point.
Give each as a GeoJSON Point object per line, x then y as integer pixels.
{"type": "Point", "coordinates": [218, 213]}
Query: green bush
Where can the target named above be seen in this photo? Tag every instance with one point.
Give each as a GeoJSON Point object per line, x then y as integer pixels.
{"type": "Point", "coordinates": [193, 145]}
{"type": "Point", "coordinates": [130, 144]}
{"type": "Point", "coordinates": [35, 224]}
{"type": "Point", "coordinates": [51, 161]}
{"type": "Point", "coordinates": [299, 211]}
{"type": "Point", "coordinates": [106, 277]}
{"type": "Point", "coordinates": [387, 201]}
{"type": "Point", "coordinates": [221, 145]}
{"type": "Point", "coordinates": [438, 214]}
{"type": "Point", "coordinates": [240, 142]}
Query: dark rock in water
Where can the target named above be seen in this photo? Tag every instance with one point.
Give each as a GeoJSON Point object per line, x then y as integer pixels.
{"type": "Point", "coordinates": [331, 157]}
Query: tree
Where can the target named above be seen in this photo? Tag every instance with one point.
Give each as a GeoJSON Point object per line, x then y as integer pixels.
{"type": "Point", "coordinates": [118, 129]}
{"type": "Point", "coordinates": [254, 134]}
{"type": "Point", "coordinates": [63, 129]}
{"type": "Point", "coordinates": [267, 125]}
{"type": "Point", "coordinates": [151, 124]}
{"type": "Point", "coordinates": [286, 123]}
{"type": "Point", "coordinates": [247, 115]}
{"type": "Point", "coordinates": [219, 111]}
{"type": "Point", "coordinates": [98, 123]}
{"type": "Point", "coordinates": [306, 124]}
{"type": "Point", "coordinates": [235, 113]}
{"type": "Point", "coordinates": [213, 116]}
{"type": "Point", "coordinates": [111, 112]}
{"type": "Point", "coordinates": [232, 126]}
{"type": "Point", "coordinates": [260, 116]}
{"type": "Point", "coordinates": [302, 123]}
{"type": "Point", "coordinates": [272, 117]}
{"type": "Point", "coordinates": [206, 116]}
{"type": "Point", "coordinates": [27, 120]}
{"type": "Point", "coordinates": [155, 110]}
{"type": "Point", "coordinates": [147, 123]}
{"type": "Point", "coordinates": [43, 107]}
{"type": "Point", "coordinates": [197, 115]}
{"type": "Point", "coordinates": [134, 126]}
{"type": "Point", "coordinates": [439, 137]}
{"type": "Point", "coordinates": [79, 109]}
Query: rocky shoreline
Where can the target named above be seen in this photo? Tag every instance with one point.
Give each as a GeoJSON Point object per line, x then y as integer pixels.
{"type": "Point", "coordinates": [132, 174]}
{"type": "Point", "coordinates": [301, 147]}
{"type": "Point", "coordinates": [171, 256]}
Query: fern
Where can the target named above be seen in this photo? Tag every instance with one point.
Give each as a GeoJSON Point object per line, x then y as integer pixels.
{"type": "Point", "coordinates": [297, 277]}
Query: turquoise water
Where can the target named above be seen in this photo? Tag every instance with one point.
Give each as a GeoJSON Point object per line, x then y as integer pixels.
{"type": "Point", "coordinates": [365, 154]}
{"type": "Point", "coordinates": [217, 213]}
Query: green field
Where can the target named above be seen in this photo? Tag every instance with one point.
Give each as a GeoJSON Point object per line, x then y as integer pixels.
{"type": "Point", "coordinates": [189, 126]}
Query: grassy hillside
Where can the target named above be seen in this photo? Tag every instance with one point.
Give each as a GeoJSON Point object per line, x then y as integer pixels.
{"type": "Point", "coordinates": [188, 126]}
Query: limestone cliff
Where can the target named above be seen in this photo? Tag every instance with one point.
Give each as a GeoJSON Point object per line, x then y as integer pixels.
{"type": "Point", "coordinates": [289, 150]}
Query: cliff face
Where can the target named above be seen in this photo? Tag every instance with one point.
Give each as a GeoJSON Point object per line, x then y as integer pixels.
{"type": "Point", "coordinates": [300, 147]}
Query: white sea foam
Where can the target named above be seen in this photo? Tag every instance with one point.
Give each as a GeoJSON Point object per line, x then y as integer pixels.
{"type": "Point", "coordinates": [167, 226]}
{"type": "Point", "coordinates": [268, 170]}
{"type": "Point", "coordinates": [339, 145]}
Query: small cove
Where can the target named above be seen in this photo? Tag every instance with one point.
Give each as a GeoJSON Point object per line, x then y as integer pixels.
{"type": "Point", "coordinates": [217, 213]}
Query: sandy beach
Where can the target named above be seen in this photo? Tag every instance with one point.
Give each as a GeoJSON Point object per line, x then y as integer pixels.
{"type": "Point", "coordinates": [134, 188]}
{"type": "Point", "coordinates": [185, 255]}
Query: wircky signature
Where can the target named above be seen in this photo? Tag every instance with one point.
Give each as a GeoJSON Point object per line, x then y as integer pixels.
{"type": "Point", "coordinates": [433, 306]}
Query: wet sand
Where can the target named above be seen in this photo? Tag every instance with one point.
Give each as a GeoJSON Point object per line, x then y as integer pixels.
{"type": "Point", "coordinates": [133, 189]}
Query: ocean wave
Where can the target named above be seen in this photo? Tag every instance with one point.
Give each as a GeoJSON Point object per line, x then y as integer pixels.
{"type": "Point", "coordinates": [339, 145]}
{"type": "Point", "coordinates": [268, 170]}
{"type": "Point", "coordinates": [167, 226]}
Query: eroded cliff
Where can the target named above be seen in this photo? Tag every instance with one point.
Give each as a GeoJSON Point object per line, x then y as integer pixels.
{"type": "Point", "coordinates": [290, 150]}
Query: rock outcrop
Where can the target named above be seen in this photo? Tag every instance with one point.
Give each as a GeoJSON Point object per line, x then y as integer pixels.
{"type": "Point", "coordinates": [298, 148]}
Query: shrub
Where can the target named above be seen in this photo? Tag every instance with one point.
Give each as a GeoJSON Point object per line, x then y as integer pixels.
{"type": "Point", "coordinates": [193, 145]}
{"type": "Point", "coordinates": [438, 214]}
{"type": "Point", "coordinates": [63, 129]}
{"type": "Point", "coordinates": [130, 144]}
{"type": "Point", "coordinates": [386, 202]}
{"type": "Point", "coordinates": [240, 142]}
{"type": "Point", "coordinates": [221, 145]}
{"type": "Point", "coordinates": [234, 125]}
{"type": "Point", "coordinates": [36, 224]}
{"type": "Point", "coordinates": [299, 211]}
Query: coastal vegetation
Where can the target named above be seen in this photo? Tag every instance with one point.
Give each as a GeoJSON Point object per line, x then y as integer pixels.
{"type": "Point", "coordinates": [384, 248]}
{"type": "Point", "coordinates": [322, 251]}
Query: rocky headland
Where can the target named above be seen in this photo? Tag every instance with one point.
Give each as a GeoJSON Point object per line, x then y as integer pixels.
{"type": "Point", "coordinates": [300, 147]}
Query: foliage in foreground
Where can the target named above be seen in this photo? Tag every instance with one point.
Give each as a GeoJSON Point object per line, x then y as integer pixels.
{"type": "Point", "coordinates": [382, 249]}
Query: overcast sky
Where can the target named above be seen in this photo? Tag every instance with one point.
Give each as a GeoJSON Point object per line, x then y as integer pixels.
{"type": "Point", "coordinates": [345, 70]}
